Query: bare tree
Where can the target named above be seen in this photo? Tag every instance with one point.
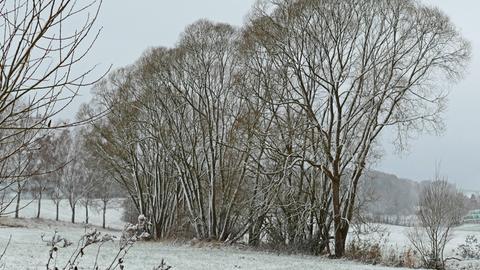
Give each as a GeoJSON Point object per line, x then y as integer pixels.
{"type": "Point", "coordinates": [128, 152]}
{"type": "Point", "coordinates": [192, 155]}
{"type": "Point", "coordinates": [44, 164]}
{"type": "Point", "coordinates": [92, 172]}
{"type": "Point", "coordinates": [17, 165]}
{"type": "Point", "coordinates": [21, 165]}
{"type": "Point", "coordinates": [74, 183]}
{"type": "Point", "coordinates": [62, 142]}
{"type": "Point", "coordinates": [441, 207]}
{"type": "Point", "coordinates": [211, 131]}
{"type": "Point", "coordinates": [354, 69]}
{"type": "Point", "coordinates": [41, 44]}
{"type": "Point", "coordinates": [105, 194]}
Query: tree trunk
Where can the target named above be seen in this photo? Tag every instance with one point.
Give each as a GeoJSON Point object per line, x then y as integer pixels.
{"type": "Point", "coordinates": [17, 207]}
{"type": "Point", "coordinates": [39, 205]}
{"type": "Point", "coordinates": [212, 224]}
{"type": "Point", "coordinates": [73, 214]}
{"type": "Point", "coordinates": [104, 213]}
{"type": "Point", "coordinates": [57, 206]}
{"type": "Point", "coordinates": [255, 231]}
{"type": "Point", "coordinates": [158, 231]}
{"type": "Point", "coordinates": [86, 212]}
{"type": "Point", "coordinates": [342, 236]}
{"type": "Point", "coordinates": [337, 220]}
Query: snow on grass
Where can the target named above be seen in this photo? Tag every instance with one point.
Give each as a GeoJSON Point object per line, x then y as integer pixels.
{"type": "Point", "coordinates": [398, 236]}
{"type": "Point", "coordinates": [48, 211]}
{"type": "Point", "coordinates": [27, 251]}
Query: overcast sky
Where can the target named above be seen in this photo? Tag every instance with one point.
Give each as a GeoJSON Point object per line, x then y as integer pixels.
{"type": "Point", "coordinates": [458, 149]}
{"type": "Point", "coordinates": [130, 27]}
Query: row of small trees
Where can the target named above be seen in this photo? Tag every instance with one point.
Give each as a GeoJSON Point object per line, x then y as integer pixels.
{"type": "Point", "coordinates": [60, 170]}
{"type": "Point", "coordinates": [267, 130]}
{"type": "Point", "coordinates": [41, 44]}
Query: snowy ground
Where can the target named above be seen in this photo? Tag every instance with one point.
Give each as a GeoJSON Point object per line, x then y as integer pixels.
{"type": "Point", "coordinates": [27, 251]}
{"type": "Point", "coordinates": [396, 240]}
{"type": "Point", "coordinates": [398, 236]}
{"type": "Point", "coordinates": [113, 215]}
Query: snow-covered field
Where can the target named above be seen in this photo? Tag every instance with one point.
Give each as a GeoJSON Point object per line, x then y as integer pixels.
{"type": "Point", "coordinates": [27, 251]}
{"type": "Point", "coordinates": [113, 214]}
{"type": "Point", "coordinates": [397, 237]}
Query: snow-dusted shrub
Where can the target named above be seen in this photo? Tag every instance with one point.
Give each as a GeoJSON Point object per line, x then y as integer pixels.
{"type": "Point", "coordinates": [65, 255]}
{"type": "Point", "coordinates": [398, 258]}
{"type": "Point", "coordinates": [441, 207]}
{"type": "Point", "coordinates": [56, 240]}
{"type": "Point", "coordinates": [367, 244]}
{"type": "Point", "coordinates": [463, 265]}
{"type": "Point", "coordinates": [163, 266]}
{"type": "Point", "coordinates": [86, 244]}
{"type": "Point", "coordinates": [409, 258]}
{"type": "Point", "coordinates": [134, 232]}
{"type": "Point", "coordinates": [365, 250]}
{"type": "Point", "coordinates": [470, 250]}
{"type": "Point", "coordinates": [89, 239]}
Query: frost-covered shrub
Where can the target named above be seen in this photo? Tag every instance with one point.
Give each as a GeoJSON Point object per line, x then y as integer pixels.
{"type": "Point", "coordinates": [92, 242]}
{"type": "Point", "coordinates": [56, 240]}
{"type": "Point", "coordinates": [463, 265]}
{"type": "Point", "coordinates": [163, 266]}
{"type": "Point", "coordinates": [367, 244]}
{"type": "Point", "coordinates": [409, 258]}
{"type": "Point", "coordinates": [398, 258]}
{"type": "Point", "coordinates": [470, 250]}
{"type": "Point", "coordinates": [91, 238]}
{"type": "Point", "coordinates": [365, 250]}
{"type": "Point", "coordinates": [135, 232]}
{"type": "Point", "coordinates": [441, 207]}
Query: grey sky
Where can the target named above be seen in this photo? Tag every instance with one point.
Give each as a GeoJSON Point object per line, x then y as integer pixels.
{"type": "Point", "coordinates": [458, 149]}
{"type": "Point", "coordinates": [130, 27]}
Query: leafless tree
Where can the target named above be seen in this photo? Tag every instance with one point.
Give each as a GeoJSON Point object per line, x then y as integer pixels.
{"type": "Point", "coordinates": [302, 202]}
{"type": "Point", "coordinates": [20, 164]}
{"type": "Point", "coordinates": [43, 165]}
{"type": "Point", "coordinates": [17, 166]}
{"type": "Point", "coordinates": [193, 155]}
{"type": "Point", "coordinates": [94, 184]}
{"type": "Point", "coordinates": [105, 193]}
{"type": "Point", "coordinates": [354, 69]}
{"type": "Point", "coordinates": [126, 144]}
{"type": "Point", "coordinates": [212, 157]}
{"type": "Point", "coordinates": [41, 43]}
{"type": "Point", "coordinates": [74, 182]}
{"type": "Point", "coordinates": [441, 207]}
{"type": "Point", "coordinates": [62, 141]}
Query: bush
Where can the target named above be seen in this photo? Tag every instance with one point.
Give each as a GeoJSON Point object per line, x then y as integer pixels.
{"type": "Point", "coordinates": [470, 250]}
{"type": "Point", "coordinates": [367, 244]}
{"type": "Point", "coordinates": [367, 251]}
{"type": "Point", "coordinates": [408, 258]}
